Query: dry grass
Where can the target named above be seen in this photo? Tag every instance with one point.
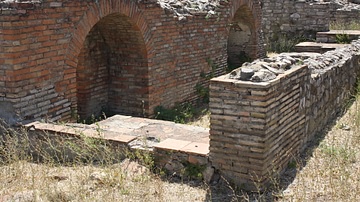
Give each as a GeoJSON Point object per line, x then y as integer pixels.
{"type": "Point", "coordinates": [329, 171]}
{"type": "Point", "coordinates": [271, 54]}
{"type": "Point", "coordinates": [352, 25]}
{"type": "Point", "coordinates": [332, 172]}
{"type": "Point", "coordinates": [55, 169]}
{"type": "Point", "coordinates": [38, 182]}
{"type": "Point", "coordinates": [202, 121]}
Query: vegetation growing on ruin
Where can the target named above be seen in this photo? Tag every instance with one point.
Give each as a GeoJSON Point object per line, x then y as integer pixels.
{"type": "Point", "coordinates": [352, 25]}
{"type": "Point", "coordinates": [343, 38]}
{"type": "Point", "coordinates": [284, 43]}
{"type": "Point", "coordinates": [181, 113]}
{"type": "Point", "coordinates": [185, 113]}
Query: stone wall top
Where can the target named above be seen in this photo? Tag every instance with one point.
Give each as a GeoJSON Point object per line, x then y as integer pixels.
{"type": "Point", "coordinates": [181, 9]}
{"type": "Point", "coordinates": [185, 8]}
{"type": "Point", "coordinates": [21, 5]}
{"type": "Point", "coordinates": [269, 69]}
{"type": "Point", "coordinates": [258, 85]}
{"type": "Point", "coordinates": [320, 63]}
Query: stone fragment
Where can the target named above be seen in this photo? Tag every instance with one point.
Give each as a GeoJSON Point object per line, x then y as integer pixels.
{"type": "Point", "coordinates": [263, 75]}
{"type": "Point", "coordinates": [273, 70]}
{"type": "Point", "coordinates": [235, 74]}
{"type": "Point", "coordinates": [208, 174]}
{"type": "Point", "coordinates": [294, 17]}
{"type": "Point", "coordinates": [246, 74]}
{"type": "Point", "coordinates": [55, 4]}
{"type": "Point", "coordinates": [174, 167]}
{"type": "Point", "coordinates": [98, 176]}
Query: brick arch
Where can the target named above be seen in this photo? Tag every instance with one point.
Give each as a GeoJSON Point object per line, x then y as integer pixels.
{"type": "Point", "coordinates": [244, 33]}
{"type": "Point", "coordinates": [96, 53]}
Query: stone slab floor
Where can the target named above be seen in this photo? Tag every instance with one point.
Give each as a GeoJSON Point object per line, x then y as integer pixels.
{"type": "Point", "coordinates": [138, 133]}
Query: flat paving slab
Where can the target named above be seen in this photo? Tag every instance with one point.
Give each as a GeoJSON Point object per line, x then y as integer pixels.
{"type": "Point", "coordinates": [138, 133]}
{"type": "Point", "coordinates": [196, 148]}
{"type": "Point", "coordinates": [183, 146]}
{"type": "Point", "coordinates": [172, 144]}
{"type": "Point", "coordinates": [158, 129]}
{"type": "Point", "coordinates": [322, 45]}
{"type": "Point", "coordinates": [334, 32]}
{"type": "Point", "coordinates": [81, 130]}
{"type": "Point", "coordinates": [317, 47]}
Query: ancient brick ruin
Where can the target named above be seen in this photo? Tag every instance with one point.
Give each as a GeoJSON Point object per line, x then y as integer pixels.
{"type": "Point", "coordinates": [305, 18]}
{"type": "Point", "coordinates": [66, 58]}
{"type": "Point", "coordinates": [63, 59]}
{"type": "Point", "coordinates": [258, 127]}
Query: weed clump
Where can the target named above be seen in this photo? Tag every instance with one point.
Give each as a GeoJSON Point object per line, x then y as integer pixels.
{"type": "Point", "coordinates": [284, 43]}
{"type": "Point", "coordinates": [181, 113]}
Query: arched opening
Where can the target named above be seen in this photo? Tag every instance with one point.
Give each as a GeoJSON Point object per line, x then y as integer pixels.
{"type": "Point", "coordinates": [241, 46]}
{"type": "Point", "coordinates": [112, 70]}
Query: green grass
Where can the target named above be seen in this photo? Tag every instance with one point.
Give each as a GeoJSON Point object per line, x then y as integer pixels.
{"type": "Point", "coordinates": [181, 113]}
{"type": "Point", "coordinates": [343, 39]}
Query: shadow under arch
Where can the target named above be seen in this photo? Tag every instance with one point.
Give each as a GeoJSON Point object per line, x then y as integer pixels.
{"type": "Point", "coordinates": [244, 33]}
{"type": "Point", "coordinates": [109, 55]}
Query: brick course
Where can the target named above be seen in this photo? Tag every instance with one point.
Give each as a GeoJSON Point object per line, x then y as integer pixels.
{"type": "Point", "coordinates": [302, 18]}
{"type": "Point", "coordinates": [81, 51]}
{"type": "Point", "coordinates": [257, 128]}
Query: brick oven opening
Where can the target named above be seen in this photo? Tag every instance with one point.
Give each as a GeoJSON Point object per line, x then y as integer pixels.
{"type": "Point", "coordinates": [112, 70]}
{"type": "Point", "coordinates": [242, 38]}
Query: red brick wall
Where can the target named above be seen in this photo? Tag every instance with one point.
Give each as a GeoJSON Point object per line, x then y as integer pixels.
{"type": "Point", "coordinates": [63, 58]}
{"type": "Point", "coordinates": [92, 77]}
{"type": "Point", "coordinates": [112, 69]}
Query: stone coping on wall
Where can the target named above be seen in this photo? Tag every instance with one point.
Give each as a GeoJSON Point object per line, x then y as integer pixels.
{"type": "Point", "coordinates": [180, 9]}
{"type": "Point", "coordinates": [21, 6]}
{"type": "Point", "coordinates": [269, 69]}
{"type": "Point", "coordinates": [261, 85]}
{"type": "Point", "coordinates": [321, 63]}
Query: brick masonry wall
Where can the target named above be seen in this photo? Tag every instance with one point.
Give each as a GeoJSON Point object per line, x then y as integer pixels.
{"type": "Point", "coordinates": [328, 91]}
{"type": "Point", "coordinates": [297, 18]}
{"type": "Point", "coordinates": [257, 128]}
{"type": "Point", "coordinates": [346, 16]}
{"type": "Point", "coordinates": [55, 55]}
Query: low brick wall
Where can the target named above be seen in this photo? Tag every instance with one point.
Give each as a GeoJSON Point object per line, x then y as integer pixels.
{"type": "Point", "coordinates": [257, 128]}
